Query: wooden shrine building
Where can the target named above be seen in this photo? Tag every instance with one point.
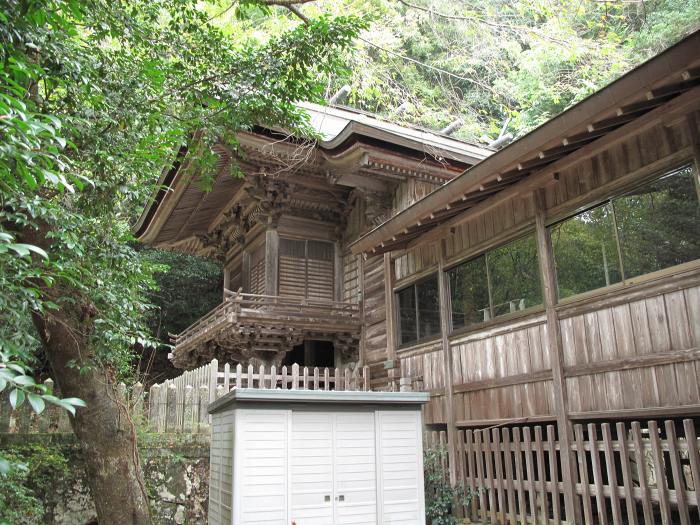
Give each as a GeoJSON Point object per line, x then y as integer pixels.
{"type": "Point", "coordinates": [293, 292]}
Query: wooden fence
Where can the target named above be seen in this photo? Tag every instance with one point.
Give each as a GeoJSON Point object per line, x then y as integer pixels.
{"type": "Point", "coordinates": [626, 473]}
{"type": "Point", "coordinates": [180, 404]}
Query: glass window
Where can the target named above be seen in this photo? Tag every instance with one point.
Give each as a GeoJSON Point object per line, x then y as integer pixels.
{"type": "Point", "coordinates": [502, 281]}
{"type": "Point", "coordinates": [428, 302]}
{"type": "Point", "coordinates": [408, 327]}
{"type": "Point", "coordinates": [654, 226]}
{"type": "Point", "coordinates": [585, 251]}
{"type": "Point", "coordinates": [419, 311]}
{"type": "Point", "coordinates": [469, 293]}
{"type": "Point", "coordinates": [659, 223]}
{"type": "Point", "coordinates": [514, 275]}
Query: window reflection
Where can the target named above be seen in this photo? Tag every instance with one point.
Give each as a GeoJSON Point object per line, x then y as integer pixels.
{"type": "Point", "coordinates": [585, 251]}
{"type": "Point", "coordinates": [654, 226]}
{"type": "Point", "coordinates": [419, 311]}
{"type": "Point", "coordinates": [502, 281]}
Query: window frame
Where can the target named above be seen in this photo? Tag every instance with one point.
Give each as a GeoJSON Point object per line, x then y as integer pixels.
{"type": "Point", "coordinates": [498, 319]}
{"type": "Point", "coordinates": [397, 311]}
{"type": "Point", "coordinates": [623, 190]}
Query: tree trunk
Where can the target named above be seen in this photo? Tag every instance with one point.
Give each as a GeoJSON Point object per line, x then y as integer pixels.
{"type": "Point", "coordinates": [103, 429]}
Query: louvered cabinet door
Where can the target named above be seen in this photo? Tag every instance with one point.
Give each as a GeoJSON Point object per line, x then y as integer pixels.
{"type": "Point", "coordinates": [355, 469]}
{"type": "Point", "coordinates": [261, 469]}
{"type": "Point", "coordinates": [400, 467]}
{"type": "Point", "coordinates": [311, 468]}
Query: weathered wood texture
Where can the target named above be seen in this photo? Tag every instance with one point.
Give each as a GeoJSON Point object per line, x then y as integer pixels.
{"type": "Point", "coordinates": [627, 473]}
{"type": "Point", "coordinates": [634, 346]}
{"type": "Point", "coordinates": [409, 191]}
{"type": "Point", "coordinates": [375, 343]}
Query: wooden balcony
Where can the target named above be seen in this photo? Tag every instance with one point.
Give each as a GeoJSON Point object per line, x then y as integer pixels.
{"type": "Point", "coordinates": [250, 327]}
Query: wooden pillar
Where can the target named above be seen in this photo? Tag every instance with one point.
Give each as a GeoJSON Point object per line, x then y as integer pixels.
{"type": "Point", "coordinates": [556, 356]}
{"type": "Point", "coordinates": [245, 271]}
{"type": "Point", "coordinates": [389, 278]}
{"type": "Point", "coordinates": [444, 294]}
{"type": "Point", "coordinates": [361, 301]}
{"type": "Point", "coordinates": [272, 246]}
{"type": "Point", "coordinates": [338, 271]}
{"type": "Point", "coordinates": [693, 120]}
{"type": "Point", "coordinates": [227, 280]}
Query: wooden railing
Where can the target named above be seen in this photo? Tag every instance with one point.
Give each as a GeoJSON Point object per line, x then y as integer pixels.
{"type": "Point", "coordinates": [239, 305]}
{"type": "Point", "coordinates": [627, 473]}
{"type": "Point", "coordinates": [180, 404]}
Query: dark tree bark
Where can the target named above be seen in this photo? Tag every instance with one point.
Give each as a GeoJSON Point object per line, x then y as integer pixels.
{"type": "Point", "coordinates": [103, 429]}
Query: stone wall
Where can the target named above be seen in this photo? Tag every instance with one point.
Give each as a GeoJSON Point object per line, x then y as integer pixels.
{"type": "Point", "coordinates": [176, 468]}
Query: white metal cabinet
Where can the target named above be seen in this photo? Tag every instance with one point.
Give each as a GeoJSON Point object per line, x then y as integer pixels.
{"type": "Point", "coordinates": [333, 468]}
{"type": "Point", "coordinates": [316, 458]}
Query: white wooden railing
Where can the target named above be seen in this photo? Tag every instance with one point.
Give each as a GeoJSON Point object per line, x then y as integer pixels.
{"type": "Point", "coordinates": [179, 405]}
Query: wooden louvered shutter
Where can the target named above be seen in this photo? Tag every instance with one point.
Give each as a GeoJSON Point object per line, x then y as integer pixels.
{"type": "Point", "coordinates": [319, 260]}
{"type": "Point", "coordinates": [292, 268]}
{"type": "Point", "coordinates": [306, 269]}
{"type": "Point", "coordinates": [257, 271]}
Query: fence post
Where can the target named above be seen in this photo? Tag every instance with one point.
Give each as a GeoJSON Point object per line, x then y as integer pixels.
{"type": "Point", "coordinates": [137, 401]}
{"type": "Point", "coordinates": [203, 402]}
{"type": "Point", "coordinates": [365, 378]}
{"type": "Point", "coordinates": [187, 422]}
{"type": "Point", "coordinates": [171, 407]}
{"type": "Point", "coordinates": [45, 418]}
{"type": "Point", "coordinates": [153, 407]}
{"type": "Point", "coordinates": [213, 378]}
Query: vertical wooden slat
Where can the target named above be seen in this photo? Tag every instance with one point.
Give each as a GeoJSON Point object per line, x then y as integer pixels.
{"type": "Point", "coordinates": [471, 472]}
{"type": "Point", "coordinates": [659, 470]}
{"type": "Point", "coordinates": [530, 474]}
{"type": "Point", "coordinates": [640, 460]}
{"type": "Point", "coordinates": [273, 377]}
{"type": "Point", "coordinates": [693, 457]}
{"type": "Point", "coordinates": [338, 380]}
{"type": "Point", "coordinates": [315, 378]}
{"type": "Point", "coordinates": [284, 377]}
{"type": "Point", "coordinates": [346, 379]}
{"type": "Point", "coordinates": [519, 474]}
{"type": "Point", "coordinates": [489, 474]}
{"type": "Point", "coordinates": [295, 376]}
{"type": "Point", "coordinates": [251, 375]}
{"type": "Point", "coordinates": [544, 506]}
{"type": "Point", "coordinates": [554, 474]}
{"type": "Point", "coordinates": [496, 448]}
{"type": "Point", "coordinates": [612, 473]}
{"type": "Point", "coordinates": [597, 475]}
{"type": "Point", "coordinates": [480, 474]}
{"type": "Point", "coordinates": [261, 377]}
{"type": "Point", "coordinates": [239, 375]}
{"type": "Point", "coordinates": [227, 372]}
{"type": "Point", "coordinates": [627, 481]}
{"type": "Point", "coordinates": [677, 473]}
{"type": "Point", "coordinates": [461, 461]}
{"type": "Point", "coordinates": [508, 457]}
{"type": "Point", "coordinates": [305, 380]}
{"type": "Point", "coordinates": [365, 378]}
{"type": "Point", "coordinates": [583, 475]}
{"type": "Point", "coordinates": [326, 379]}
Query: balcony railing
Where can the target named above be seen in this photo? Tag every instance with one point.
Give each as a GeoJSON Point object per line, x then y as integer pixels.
{"type": "Point", "coordinates": [291, 312]}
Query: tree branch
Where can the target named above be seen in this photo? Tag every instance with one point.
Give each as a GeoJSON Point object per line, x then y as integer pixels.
{"type": "Point", "coordinates": [481, 20]}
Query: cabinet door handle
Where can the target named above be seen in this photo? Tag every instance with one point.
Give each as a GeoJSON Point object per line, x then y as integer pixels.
{"type": "Point", "coordinates": [341, 498]}
{"type": "Point", "coordinates": [326, 497]}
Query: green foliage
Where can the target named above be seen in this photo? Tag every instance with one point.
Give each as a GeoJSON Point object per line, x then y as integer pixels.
{"type": "Point", "coordinates": [189, 288]}
{"type": "Point", "coordinates": [522, 62]}
{"type": "Point", "coordinates": [441, 498]}
{"type": "Point", "coordinates": [36, 471]}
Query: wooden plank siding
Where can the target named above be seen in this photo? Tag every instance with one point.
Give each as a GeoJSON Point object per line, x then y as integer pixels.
{"type": "Point", "coordinates": [632, 346]}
